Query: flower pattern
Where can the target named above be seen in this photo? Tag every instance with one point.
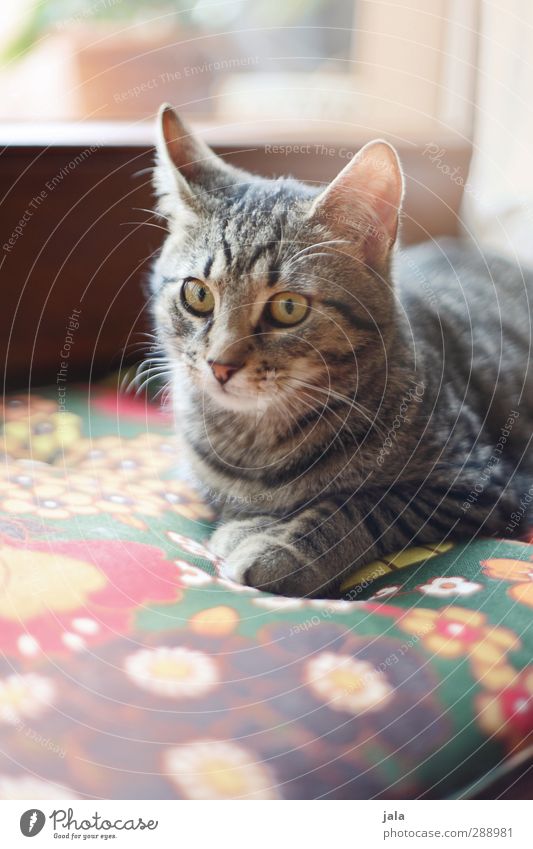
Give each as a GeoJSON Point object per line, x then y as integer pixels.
{"type": "Point", "coordinates": [214, 621]}
{"type": "Point", "coordinates": [192, 546]}
{"type": "Point", "coordinates": [508, 713]}
{"type": "Point", "coordinates": [25, 787]}
{"type": "Point", "coordinates": [173, 672]}
{"type": "Point", "coordinates": [520, 572]}
{"type": "Point", "coordinates": [192, 576]}
{"type": "Point", "coordinates": [125, 652]}
{"type": "Point", "coordinates": [46, 497]}
{"type": "Point", "coordinates": [50, 494]}
{"type": "Point", "coordinates": [34, 427]}
{"type": "Point", "coordinates": [384, 592]}
{"type": "Point", "coordinates": [457, 632]}
{"type": "Point", "coordinates": [136, 457]}
{"type": "Point", "coordinates": [347, 683]}
{"type": "Point", "coordinates": [450, 586]}
{"type": "Point", "coordinates": [77, 594]}
{"type": "Point", "coordinates": [24, 697]}
{"type": "Point", "coordinates": [212, 769]}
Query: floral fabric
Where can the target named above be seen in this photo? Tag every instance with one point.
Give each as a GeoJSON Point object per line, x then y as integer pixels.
{"type": "Point", "coordinates": [131, 669]}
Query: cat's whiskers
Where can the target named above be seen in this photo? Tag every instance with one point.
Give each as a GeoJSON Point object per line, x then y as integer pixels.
{"type": "Point", "coordinates": [322, 417]}
{"type": "Point", "coordinates": [142, 347]}
{"type": "Point", "coordinates": [153, 214]}
{"type": "Point", "coordinates": [147, 367]}
{"type": "Point", "coordinates": [372, 418]}
{"type": "Point", "coordinates": [150, 212]}
{"type": "Point", "coordinates": [321, 245]}
{"type": "Point", "coordinates": [284, 410]}
{"type": "Point", "coordinates": [154, 368]}
{"type": "Point", "coordinates": [324, 406]}
{"type": "Point", "coordinates": [164, 392]}
{"type": "Point", "coordinates": [310, 252]}
{"type": "Point", "coordinates": [307, 257]}
{"type": "Point", "coordinates": [145, 224]}
{"type": "Point", "coordinates": [150, 347]}
{"type": "Point", "coordinates": [323, 410]}
{"type": "Point", "coordinates": [146, 383]}
{"type": "Point", "coordinates": [281, 242]}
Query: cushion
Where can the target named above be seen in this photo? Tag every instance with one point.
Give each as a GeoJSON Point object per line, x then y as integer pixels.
{"type": "Point", "coordinates": [131, 669]}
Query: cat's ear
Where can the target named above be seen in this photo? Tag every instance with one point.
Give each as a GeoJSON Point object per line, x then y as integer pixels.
{"type": "Point", "coordinates": [363, 202]}
{"type": "Point", "coordinates": [186, 167]}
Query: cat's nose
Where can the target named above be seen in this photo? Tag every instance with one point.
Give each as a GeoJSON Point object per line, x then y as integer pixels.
{"type": "Point", "coordinates": [223, 371]}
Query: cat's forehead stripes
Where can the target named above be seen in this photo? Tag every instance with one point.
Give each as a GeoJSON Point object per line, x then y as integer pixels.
{"type": "Point", "coordinates": [208, 265]}
{"type": "Point", "coordinates": [258, 251]}
{"type": "Point", "coordinates": [273, 276]}
{"type": "Point", "coordinates": [254, 217]}
{"type": "Point", "coordinates": [228, 255]}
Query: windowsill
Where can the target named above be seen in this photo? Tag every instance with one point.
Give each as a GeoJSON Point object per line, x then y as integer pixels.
{"type": "Point", "coordinates": [141, 134]}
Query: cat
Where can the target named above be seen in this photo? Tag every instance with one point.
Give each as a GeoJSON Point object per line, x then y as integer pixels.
{"type": "Point", "coordinates": [337, 399]}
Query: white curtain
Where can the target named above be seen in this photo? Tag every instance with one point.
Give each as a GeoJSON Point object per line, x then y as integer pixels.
{"type": "Point", "coordinates": [498, 199]}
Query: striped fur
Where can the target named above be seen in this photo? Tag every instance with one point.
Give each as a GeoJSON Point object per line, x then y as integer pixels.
{"type": "Point", "coordinates": [397, 412]}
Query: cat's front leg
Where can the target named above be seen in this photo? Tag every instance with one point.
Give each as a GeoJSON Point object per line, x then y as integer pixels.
{"type": "Point", "coordinates": [260, 557]}
{"type": "Point", "coordinates": [305, 555]}
{"type": "Point", "coordinates": [233, 533]}
{"type": "Point", "coordinates": [310, 552]}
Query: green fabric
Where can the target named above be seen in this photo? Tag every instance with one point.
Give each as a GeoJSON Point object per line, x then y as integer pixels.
{"type": "Point", "coordinates": [131, 669]}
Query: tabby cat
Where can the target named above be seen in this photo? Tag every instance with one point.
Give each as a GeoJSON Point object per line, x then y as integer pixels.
{"type": "Point", "coordinates": [336, 402]}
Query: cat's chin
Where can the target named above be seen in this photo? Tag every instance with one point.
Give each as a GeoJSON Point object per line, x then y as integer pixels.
{"type": "Point", "coordinates": [252, 403]}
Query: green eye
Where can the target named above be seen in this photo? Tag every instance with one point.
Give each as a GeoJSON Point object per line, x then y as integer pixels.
{"type": "Point", "coordinates": [197, 297]}
{"type": "Point", "coordinates": [288, 308]}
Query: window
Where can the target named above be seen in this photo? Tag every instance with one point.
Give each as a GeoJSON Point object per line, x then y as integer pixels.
{"type": "Point", "coordinates": [382, 65]}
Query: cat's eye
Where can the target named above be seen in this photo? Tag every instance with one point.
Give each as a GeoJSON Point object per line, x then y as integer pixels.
{"type": "Point", "coordinates": [287, 308]}
{"type": "Point", "coordinates": [197, 297]}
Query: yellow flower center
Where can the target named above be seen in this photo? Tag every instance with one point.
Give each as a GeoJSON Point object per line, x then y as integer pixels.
{"type": "Point", "coordinates": [345, 680]}
{"type": "Point", "coordinates": [227, 781]}
{"type": "Point", "coordinates": [13, 696]}
{"type": "Point", "coordinates": [171, 669]}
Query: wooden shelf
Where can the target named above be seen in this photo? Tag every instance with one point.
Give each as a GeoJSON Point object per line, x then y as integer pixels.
{"type": "Point", "coordinates": [90, 245]}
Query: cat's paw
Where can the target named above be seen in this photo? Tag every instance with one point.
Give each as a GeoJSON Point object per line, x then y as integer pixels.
{"type": "Point", "coordinates": [272, 569]}
{"type": "Point", "coordinates": [232, 535]}
{"type": "Point", "coordinates": [222, 541]}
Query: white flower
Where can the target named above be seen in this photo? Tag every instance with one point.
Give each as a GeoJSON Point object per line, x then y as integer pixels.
{"type": "Point", "coordinates": [346, 683]}
{"type": "Point", "coordinates": [384, 592]}
{"type": "Point", "coordinates": [174, 672]}
{"type": "Point", "coordinates": [192, 546]}
{"type": "Point", "coordinates": [333, 605]}
{"type": "Point", "coordinates": [210, 769]}
{"type": "Point", "coordinates": [191, 575]}
{"type": "Point", "coordinates": [27, 787]}
{"type": "Point", "coordinates": [24, 697]}
{"type": "Point", "coordinates": [236, 588]}
{"type": "Point", "coordinates": [444, 587]}
{"type": "Point", "coordinates": [278, 602]}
